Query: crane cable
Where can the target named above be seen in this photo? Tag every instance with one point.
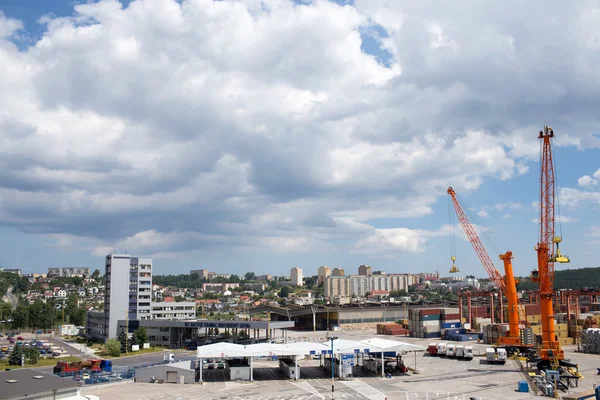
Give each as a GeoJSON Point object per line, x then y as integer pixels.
{"type": "Point", "coordinates": [451, 228]}
{"type": "Point", "coordinates": [556, 191]}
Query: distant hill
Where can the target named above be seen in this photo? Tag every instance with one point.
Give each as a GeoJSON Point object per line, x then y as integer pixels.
{"type": "Point", "coordinates": [568, 279]}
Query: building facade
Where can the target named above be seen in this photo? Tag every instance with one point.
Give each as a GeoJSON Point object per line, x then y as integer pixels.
{"type": "Point", "coordinates": [360, 285]}
{"type": "Point", "coordinates": [338, 272]}
{"type": "Point", "coordinates": [323, 273]}
{"type": "Point", "coordinates": [68, 272]}
{"type": "Point", "coordinates": [297, 276]}
{"type": "Point", "coordinates": [219, 287]}
{"type": "Point", "coordinates": [202, 273]}
{"type": "Point", "coordinates": [128, 290]}
{"type": "Point", "coordinates": [365, 270]}
{"type": "Point", "coordinates": [12, 271]}
{"type": "Point", "coordinates": [337, 286]}
{"type": "Point", "coordinates": [177, 310]}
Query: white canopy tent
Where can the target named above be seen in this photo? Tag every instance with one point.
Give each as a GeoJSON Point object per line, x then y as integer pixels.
{"type": "Point", "coordinates": [395, 346]}
{"type": "Point", "coordinates": [344, 346]}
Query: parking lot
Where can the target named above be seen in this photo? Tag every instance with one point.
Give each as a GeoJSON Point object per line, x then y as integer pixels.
{"type": "Point", "coordinates": [438, 378]}
{"type": "Point", "coordinates": [47, 347]}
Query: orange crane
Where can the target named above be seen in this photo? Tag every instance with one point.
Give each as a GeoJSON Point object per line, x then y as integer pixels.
{"type": "Point", "coordinates": [548, 251]}
{"type": "Point", "coordinates": [506, 284]}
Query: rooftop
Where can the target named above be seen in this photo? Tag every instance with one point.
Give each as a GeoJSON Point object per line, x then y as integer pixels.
{"type": "Point", "coordinates": [26, 382]}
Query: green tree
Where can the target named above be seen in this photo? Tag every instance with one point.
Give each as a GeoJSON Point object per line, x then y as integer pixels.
{"type": "Point", "coordinates": [78, 317]}
{"type": "Point", "coordinates": [250, 276]}
{"type": "Point", "coordinates": [285, 291]}
{"type": "Point", "coordinates": [19, 317]}
{"type": "Point", "coordinates": [140, 336]}
{"type": "Point", "coordinates": [35, 314]}
{"type": "Point", "coordinates": [32, 355]}
{"type": "Point", "coordinates": [113, 347]}
{"type": "Point", "coordinates": [15, 356]}
{"type": "Point", "coordinates": [5, 311]}
{"type": "Point", "coordinates": [96, 274]}
{"type": "Point", "coordinates": [124, 341]}
{"type": "Point", "coordinates": [179, 299]}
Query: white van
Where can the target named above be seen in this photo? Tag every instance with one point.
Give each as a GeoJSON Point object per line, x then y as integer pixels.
{"type": "Point", "coordinates": [490, 355]}
{"type": "Point", "coordinates": [501, 356]}
{"type": "Point", "coordinates": [450, 350]}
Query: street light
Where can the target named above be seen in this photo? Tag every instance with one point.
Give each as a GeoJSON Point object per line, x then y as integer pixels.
{"type": "Point", "coordinates": [332, 367]}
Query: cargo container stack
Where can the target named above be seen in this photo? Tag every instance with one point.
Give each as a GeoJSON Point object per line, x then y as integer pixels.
{"type": "Point", "coordinates": [424, 323]}
{"type": "Point", "coordinates": [492, 333]}
{"type": "Point", "coordinates": [392, 329]}
{"type": "Point", "coordinates": [590, 341]}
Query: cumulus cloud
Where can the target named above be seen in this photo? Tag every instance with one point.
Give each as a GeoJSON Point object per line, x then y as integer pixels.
{"type": "Point", "coordinates": [168, 127]}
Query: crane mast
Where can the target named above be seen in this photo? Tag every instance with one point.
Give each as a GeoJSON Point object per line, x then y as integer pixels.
{"type": "Point", "coordinates": [506, 284]}
{"type": "Point", "coordinates": [547, 249]}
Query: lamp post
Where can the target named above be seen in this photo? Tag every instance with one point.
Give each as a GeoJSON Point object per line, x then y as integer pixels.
{"type": "Point", "coordinates": [332, 367]}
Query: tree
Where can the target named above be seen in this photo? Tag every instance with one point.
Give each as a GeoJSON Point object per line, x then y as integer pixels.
{"type": "Point", "coordinates": [32, 355]}
{"type": "Point", "coordinates": [78, 317]}
{"type": "Point", "coordinates": [285, 291]}
{"type": "Point", "coordinates": [113, 347]}
{"type": "Point", "coordinates": [124, 342]}
{"type": "Point", "coordinates": [5, 311]}
{"type": "Point", "coordinates": [140, 336]}
{"type": "Point", "coordinates": [179, 299]}
{"type": "Point", "coordinates": [19, 317]}
{"type": "Point", "coordinates": [15, 356]}
{"type": "Point", "coordinates": [96, 274]}
{"type": "Point", "coordinates": [35, 314]}
{"type": "Point", "coordinates": [250, 276]}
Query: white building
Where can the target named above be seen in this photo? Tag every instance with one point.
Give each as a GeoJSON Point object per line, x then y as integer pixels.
{"type": "Point", "coordinates": [297, 277]}
{"type": "Point", "coordinates": [177, 310]}
{"type": "Point", "coordinates": [68, 272]}
{"type": "Point", "coordinates": [360, 285]}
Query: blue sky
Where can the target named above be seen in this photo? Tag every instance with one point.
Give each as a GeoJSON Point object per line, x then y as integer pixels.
{"type": "Point", "coordinates": [263, 135]}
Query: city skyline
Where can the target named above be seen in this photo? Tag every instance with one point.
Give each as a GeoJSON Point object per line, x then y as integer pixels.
{"type": "Point", "coordinates": [259, 146]}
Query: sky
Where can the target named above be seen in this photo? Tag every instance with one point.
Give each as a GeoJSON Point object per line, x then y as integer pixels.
{"type": "Point", "coordinates": [261, 135]}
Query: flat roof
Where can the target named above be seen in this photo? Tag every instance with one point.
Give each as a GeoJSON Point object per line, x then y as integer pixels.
{"type": "Point", "coordinates": [28, 382]}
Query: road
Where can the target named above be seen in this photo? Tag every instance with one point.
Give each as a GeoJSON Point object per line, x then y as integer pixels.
{"type": "Point", "coordinates": [152, 358]}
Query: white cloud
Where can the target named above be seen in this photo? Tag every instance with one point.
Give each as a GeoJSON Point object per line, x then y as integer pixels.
{"type": "Point", "coordinates": [483, 213]}
{"type": "Point", "coordinates": [396, 239]}
{"type": "Point", "coordinates": [573, 197]}
{"type": "Point", "coordinates": [558, 218]}
{"type": "Point", "coordinates": [586, 181]}
{"type": "Point", "coordinates": [167, 127]}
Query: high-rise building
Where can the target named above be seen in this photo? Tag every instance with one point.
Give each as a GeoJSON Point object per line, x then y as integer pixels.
{"type": "Point", "coordinates": [128, 290]}
{"type": "Point", "coordinates": [202, 273]}
{"type": "Point", "coordinates": [323, 273]}
{"type": "Point", "coordinates": [297, 277]}
{"type": "Point", "coordinates": [338, 272]}
{"type": "Point", "coordinates": [337, 287]}
{"type": "Point", "coordinates": [364, 270]}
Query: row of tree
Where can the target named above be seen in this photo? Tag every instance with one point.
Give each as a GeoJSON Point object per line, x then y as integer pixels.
{"type": "Point", "coordinates": [40, 315]}
{"type": "Point", "coordinates": [116, 347]}
{"type": "Point", "coordinates": [567, 279]}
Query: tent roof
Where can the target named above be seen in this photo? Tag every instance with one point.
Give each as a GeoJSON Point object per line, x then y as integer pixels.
{"type": "Point", "coordinates": [304, 348]}
{"type": "Point", "coordinates": [392, 345]}
{"type": "Point", "coordinates": [348, 346]}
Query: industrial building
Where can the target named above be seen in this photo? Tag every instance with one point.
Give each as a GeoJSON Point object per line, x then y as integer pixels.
{"type": "Point", "coordinates": [179, 372]}
{"type": "Point", "coordinates": [175, 333]}
{"type": "Point", "coordinates": [32, 384]}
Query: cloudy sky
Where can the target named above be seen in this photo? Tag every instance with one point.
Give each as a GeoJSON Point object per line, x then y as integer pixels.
{"type": "Point", "coordinates": [261, 135]}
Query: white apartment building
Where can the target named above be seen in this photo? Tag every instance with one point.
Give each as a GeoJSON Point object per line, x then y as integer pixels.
{"type": "Point", "coordinates": [297, 277]}
{"type": "Point", "coordinates": [68, 272]}
{"type": "Point", "coordinates": [360, 285]}
{"type": "Point", "coordinates": [128, 290]}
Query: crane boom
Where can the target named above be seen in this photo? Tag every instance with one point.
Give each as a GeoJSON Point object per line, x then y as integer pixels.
{"type": "Point", "coordinates": [506, 284]}
{"type": "Point", "coordinates": [487, 262]}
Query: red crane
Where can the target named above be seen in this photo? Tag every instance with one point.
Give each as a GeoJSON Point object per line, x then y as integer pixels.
{"type": "Point", "coordinates": [506, 284]}
{"type": "Point", "coordinates": [548, 251]}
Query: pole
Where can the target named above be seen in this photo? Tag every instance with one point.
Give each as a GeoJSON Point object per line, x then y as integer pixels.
{"type": "Point", "coordinates": [201, 368]}
{"type": "Point", "coordinates": [332, 371]}
{"type": "Point", "coordinates": [126, 328]}
{"type": "Point", "coordinates": [268, 324]}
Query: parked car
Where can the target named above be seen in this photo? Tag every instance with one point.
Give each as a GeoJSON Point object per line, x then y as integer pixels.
{"type": "Point", "coordinates": [20, 338]}
{"type": "Point", "coordinates": [56, 353]}
{"type": "Point", "coordinates": [42, 351]}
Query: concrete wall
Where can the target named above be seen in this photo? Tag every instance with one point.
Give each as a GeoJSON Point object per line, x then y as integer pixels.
{"type": "Point", "coordinates": [160, 372]}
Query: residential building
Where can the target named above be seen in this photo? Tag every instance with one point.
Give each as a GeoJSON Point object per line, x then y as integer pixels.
{"type": "Point", "coordinates": [128, 290]}
{"type": "Point", "coordinates": [323, 273]}
{"type": "Point", "coordinates": [297, 277]}
{"type": "Point", "coordinates": [12, 271]}
{"type": "Point", "coordinates": [264, 278]}
{"type": "Point", "coordinates": [180, 310]}
{"type": "Point", "coordinates": [68, 272]}
{"type": "Point", "coordinates": [255, 287]}
{"type": "Point", "coordinates": [378, 273]}
{"type": "Point", "coordinates": [202, 273]}
{"type": "Point", "coordinates": [430, 276]}
{"type": "Point", "coordinates": [338, 272]}
{"type": "Point", "coordinates": [219, 287]}
{"type": "Point", "coordinates": [61, 294]}
{"type": "Point", "coordinates": [214, 275]}
{"type": "Point", "coordinates": [365, 270]}
{"type": "Point", "coordinates": [337, 286]}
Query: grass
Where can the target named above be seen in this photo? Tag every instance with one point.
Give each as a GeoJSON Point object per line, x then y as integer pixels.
{"type": "Point", "coordinates": [42, 362]}
{"type": "Point", "coordinates": [136, 353]}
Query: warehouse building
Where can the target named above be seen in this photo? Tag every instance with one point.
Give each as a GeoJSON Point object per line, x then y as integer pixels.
{"type": "Point", "coordinates": [32, 384]}
{"type": "Point", "coordinates": [182, 372]}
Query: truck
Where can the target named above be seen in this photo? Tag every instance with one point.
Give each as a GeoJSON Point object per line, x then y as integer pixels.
{"type": "Point", "coordinates": [450, 348]}
{"type": "Point", "coordinates": [432, 349]}
{"type": "Point", "coordinates": [94, 365]}
{"type": "Point", "coordinates": [495, 355]}
{"type": "Point", "coordinates": [169, 358]}
{"type": "Point", "coordinates": [441, 349]}
{"type": "Point", "coordinates": [459, 351]}
{"type": "Point", "coordinates": [468, 353]}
